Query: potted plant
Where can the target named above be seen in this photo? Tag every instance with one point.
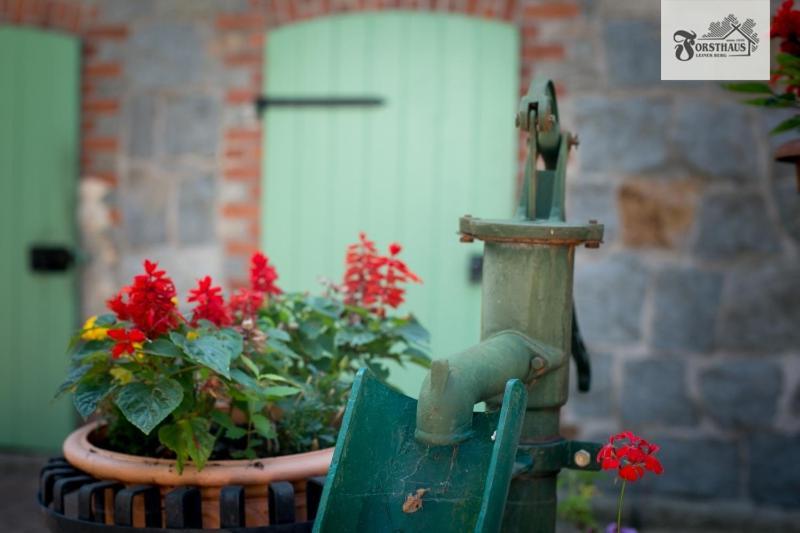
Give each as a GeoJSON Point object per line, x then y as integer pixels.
{"type": "Point", "coordinates": [244, 391]}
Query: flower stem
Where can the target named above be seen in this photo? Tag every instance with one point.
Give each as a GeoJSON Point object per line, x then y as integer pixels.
{"type": "Point", "coordinates": [619, 507]}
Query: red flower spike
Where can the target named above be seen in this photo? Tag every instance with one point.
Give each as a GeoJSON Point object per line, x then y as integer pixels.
{"type": "Point", "coordinates": [263, 275]}
{"type": "Point", "coordinates": [245, 303]}
{"type": "Point", "coordinates": [126, 341]}
{"type": "Point", "coordinates": [372, 280]}
{"type": "Point", "coordinates": [631, 456]}
{"type": "Point", "coordinates": [149, 302]}
{"type": "Point", "coordinates": [210, 304]}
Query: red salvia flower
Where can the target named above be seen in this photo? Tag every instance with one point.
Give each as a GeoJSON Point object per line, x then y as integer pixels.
{"type": "Point", "coordinates": [127, 341]}
{"type": "Point", "coordinates": [210, 305]}
{"type": "Point", "coordinates": [263, 275]}
{"type": "Point", "coordinates": [245, 303]}
{"type": "Point", "coordinates": [150, 302]}
{"type": "Point", "coordinates": [372, 280]}
{"type": "Point", "coordinates": [630, 456]}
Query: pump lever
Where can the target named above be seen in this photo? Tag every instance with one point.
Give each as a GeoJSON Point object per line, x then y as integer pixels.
{"type": "Point", "coordinates": [581, 355]}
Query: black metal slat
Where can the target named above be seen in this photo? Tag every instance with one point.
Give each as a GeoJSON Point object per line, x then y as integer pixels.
{"type": "Point", "coordinates": [281, 503]}
{"type": "Point", "coordinates": [314, 488]}
{"type": "Point", "coordinates": [123, 505]}
{"type": "Point", "coordinates": [183, 509]}
{"type": "Point", "coordinates": [231, 506]}
{"type": "Point", "coordinates": [48, 478]}
{"type": "Point", "coordinates": [64, 486]}
{"type": "Point", "coordinates": [92, 500]}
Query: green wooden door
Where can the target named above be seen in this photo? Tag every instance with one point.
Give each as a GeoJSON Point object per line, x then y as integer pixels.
{"type": "Point", "coordinates": [441, 146]}
{"type": "Point", "coordinates": [39, 97]}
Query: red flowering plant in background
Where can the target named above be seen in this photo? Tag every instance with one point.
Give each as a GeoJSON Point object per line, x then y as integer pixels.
{"type": "Point", "coordinates": [783, 90]}
{"type": "Point", "coordinates": [372, 280]}
{"type": "Point", "coordinates": [168, 383]}
{"type": "Point", "coordinates": [630, 456]}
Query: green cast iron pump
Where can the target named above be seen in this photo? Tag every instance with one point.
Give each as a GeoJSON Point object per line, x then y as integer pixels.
{"type": "Point", "coordinates": [527, 320]}
{"type": "Point", "coordinates": [438, 464]}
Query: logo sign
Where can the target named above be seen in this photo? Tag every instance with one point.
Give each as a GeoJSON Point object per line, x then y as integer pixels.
{"type": "Point", "coordinates": [715, 39]}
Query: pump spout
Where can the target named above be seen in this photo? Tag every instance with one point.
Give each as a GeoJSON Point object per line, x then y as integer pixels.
{"type": "Point", "coordinates": [454, 385]}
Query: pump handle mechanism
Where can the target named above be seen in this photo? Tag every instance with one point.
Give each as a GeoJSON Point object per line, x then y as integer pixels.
{"type": "Point", "coordinates": [543, 193]}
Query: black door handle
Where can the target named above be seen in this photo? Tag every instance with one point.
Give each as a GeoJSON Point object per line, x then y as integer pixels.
{"type": "Point", "coordinates": [50, 258]}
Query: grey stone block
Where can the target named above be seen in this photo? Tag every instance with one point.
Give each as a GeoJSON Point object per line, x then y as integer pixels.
{"type": "Point", "coordinates": [191, 125]}
{"type": "Point", "coordinates": [784, 191]}
{"type": "Point", "coordinates": [774, 469]}
{"type": "Point", "coordinates": [196, 210]}
{"type": "Point", "coordinates": [716, 139]}
{"type": "Point", "coordinates": [599, 401]}
{"type": "Point", "coordinates": [633, 52]}
{"type": "Point", "coordinates": [622, 135]}
{"type": "Point", "coordinates": [125, 10]}
{"type": "Point", "coordinates": [144, 201]}
{"type": "Point", "coordinates": [686, 306]}
{"type": "Point", "coordinates": [169, 54]}
{"type": "Point", "coordinates": [594, 201]}
{"type": "Point", "coordinates": [140, 111]}
{"type": "Point", "coordinates": [761, 310]}
{"type": "Point", "coordinates": [733, 224]}
{"type": "Point", "coordinates": [705, 468]}
{"type": "Point", "coordinates": [654, 393]}
{"type": "Point", "coordinates": [742, 393]}
{"type": "Point", "coordinates": [609, 295]}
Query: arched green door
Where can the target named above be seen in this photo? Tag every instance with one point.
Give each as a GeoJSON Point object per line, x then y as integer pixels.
{"type": "Point", "coordinates": [39, 99]}
{"type": "Point", "coordinates": [442, 145]}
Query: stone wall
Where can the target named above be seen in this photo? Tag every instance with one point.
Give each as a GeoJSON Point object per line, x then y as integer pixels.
{"type": "Point", "coordinates": [690, 308]}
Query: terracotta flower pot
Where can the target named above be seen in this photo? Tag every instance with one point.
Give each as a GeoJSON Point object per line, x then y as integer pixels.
{"type": "Point", "coordinates": [254, 475]}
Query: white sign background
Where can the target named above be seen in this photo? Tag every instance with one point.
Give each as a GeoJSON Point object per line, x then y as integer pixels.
{"type": "Point", "coordinates": [695, 16]}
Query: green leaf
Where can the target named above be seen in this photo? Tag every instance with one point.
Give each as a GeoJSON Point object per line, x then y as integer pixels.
{"type": "Point", "coordinates": [354, 338]}
{"type": "Point", "coordinates": [105, 320]}
{"type": "Point", "coordinates": [325, 306]}
{"type": "Point", "coordinates": [787, 60]}
{"type": "Point", "coordinates": [162, 347]}
{"type": "Point", "coordinates": [241, 378]}
{"type": "Point", "coordinates": [414, 332]}
{"type": "Point", "coordinates": [250, 365]}
{"type": "Point", "coordinates": [263, 426]}
{"type": "Point", "coordinates": [74, 376]}
{"type": "Point", "coordinates": [312, 329]}
{"type": "Point", "coordinates": [215, 350]}
{"type": "Point", "coordinates": [278, 334]}
{"type": "Point", "coordinates": [89, 393]}
{"type": "Point", "coordinates": [786, 125]}
{"type": "Point", "coordinates": [89, 348]}
{"type": "Point", "coordinates": [281, 348]}
{"type": "Point", "coordinates": [146, 405]}
{"type": "Point", "coordinates": [279, 391]}
{"type": "Point", "coordinates": [190, 438]}
{"type": "Point", "coordinates": [749, 87]}
{"type": "Point", "coordinates": [232, 431]}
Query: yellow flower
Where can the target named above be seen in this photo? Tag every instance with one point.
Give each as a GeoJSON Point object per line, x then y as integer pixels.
{"type": "Point", "coordinates": [192, 335]}
{"type": "Point", "coordinates": [174, 300]}
{"type": "Point", "coordinates": [123, 375]}
{"type": "Point", "coordinates": [91, 332]}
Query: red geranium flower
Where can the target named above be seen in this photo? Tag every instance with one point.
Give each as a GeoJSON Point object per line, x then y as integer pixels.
{"type": "Point", "coordinates": [150, 302]}
{"type": "Point", "coordinates": [263, 275]}
{"type": "Point", "coordinates": [630, 455]}
{"type": "Point", "coordinates": [128, 341]}
{"type": "Point", "coordinates": [210, 304]}
{"type": "Point", "coordinates": [786, 25]}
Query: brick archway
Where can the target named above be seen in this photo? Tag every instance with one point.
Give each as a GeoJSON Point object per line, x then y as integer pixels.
{"type": "Point", "coordinates": [241, 160]}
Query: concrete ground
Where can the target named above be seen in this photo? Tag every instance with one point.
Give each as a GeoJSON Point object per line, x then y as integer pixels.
{"type": "Point", "coordinates": [19, 511]}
